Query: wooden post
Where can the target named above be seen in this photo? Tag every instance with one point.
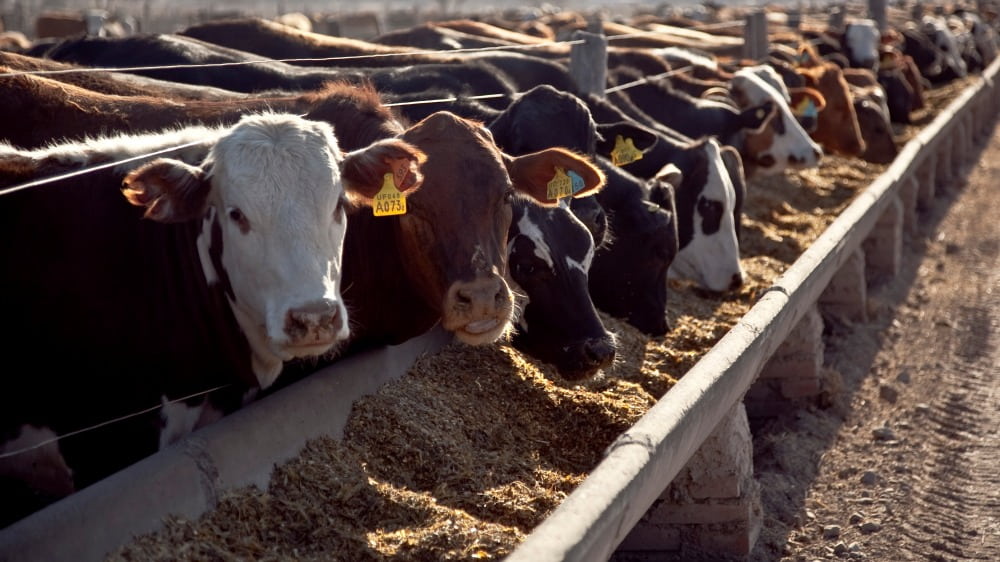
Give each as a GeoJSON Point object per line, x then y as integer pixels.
{"type": "Point", "coordinates": [877, 12]}
{"type": "Point", "coordinates": [755, 37]}
{"type": "Point", "coordinates": [588, 63]}
{"type": "Point", "coordinates": [795, 17]}
{"type": "Point", "coordinates": [837, 15]}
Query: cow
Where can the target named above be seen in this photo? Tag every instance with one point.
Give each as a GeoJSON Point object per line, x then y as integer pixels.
{"type": "Point", "coordinates": [248, 73]}
{"type": "Point", "coordinates": [706, 178]}
{"type": "Point", "coordinates": [550, 250]}
{"type": "Point", "coordinates": [784, 144]}
{"type": "Point", "coordinates": [837, 129]}
{"type": "Point", "coordinates": [876, 125]}
{"type": "Point", "coordinates": [153, 279]}
{"type": "Point", "coordinates": [628, 277]}
{"type": "Point", "coordinates": [109, 82]}
{"type": "Point", "coordinates": [860, 44]}
{"type": "Point", "coordinates": [185, 54]}
{"type": "Point", "coordinates": [273, 40]}
{"type": "Point", "coordinates": [658, 104]}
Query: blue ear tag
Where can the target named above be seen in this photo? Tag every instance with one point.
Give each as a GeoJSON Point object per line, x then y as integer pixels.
{"type": "Point", "coordinates": [806, 108]}
{"type": "Point", "coordinates": [576, 181]}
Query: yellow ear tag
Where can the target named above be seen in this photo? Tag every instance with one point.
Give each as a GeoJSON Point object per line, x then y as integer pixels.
{"type": "Point", "coordinates": [806, 108]}
{"type": "Point", "coordinates": [560, 185]}
{"type": "Point", "coordinates": [624, 152]}
{"type": "Point", "coordinates": [389, 200]}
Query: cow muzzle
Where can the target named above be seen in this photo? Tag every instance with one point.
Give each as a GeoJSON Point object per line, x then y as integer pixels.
{"type": "Point", "coordinates": [478, 311]}
{"type": "Point", "coordinates": [314, 327]}
{"type": "Point", "coordinates": [587, 357]}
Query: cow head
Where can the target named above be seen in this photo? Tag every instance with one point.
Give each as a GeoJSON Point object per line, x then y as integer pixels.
{"type": "Point", "coordinates": [271, 197]}
{"type": "Point", "coordinates": [550, 253]}
{"type": "Point", "coordinates": [837, 128]}
{"type": "Point", "coordinates": [628, 279]}
{"type": "Point", "coordinates": [861, 42]}
{"type": "Point", "coordinates": [544, 116]}
{"type": "Point", "coordinates": [453, 236]}
{"type": "Point", "coordinates": [782, 143]}
{"type": "Point", "coordinates": [876, 127]}
{"type": "Point", "coordinates": [705, 201]}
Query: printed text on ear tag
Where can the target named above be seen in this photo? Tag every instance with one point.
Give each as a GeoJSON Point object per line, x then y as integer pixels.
{"type": "Point", "coordinates": [624, 152]}
{"type": "Point", "coordinates": [389, 201]}
{"type": "Point", "coordinates": [560, 185]}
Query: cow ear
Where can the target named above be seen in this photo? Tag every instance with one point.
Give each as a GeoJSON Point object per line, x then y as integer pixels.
{"type": "Point", "coordinates": [642, 139]}
{"type": "Point", "coordinates": [502, 129]}
{"type": "Point", "coordinates": [363, 170]}
{"type": "Point", "coordinates": [171, 190]}
{"type": "Point", "coordinates": [532, 173]}
{"type": "Point", "coordinates": [755, 118]}
{"type": "Point", "coordinates": [800, 95]}
{"type": "Point", "coordinates": [671, 174]}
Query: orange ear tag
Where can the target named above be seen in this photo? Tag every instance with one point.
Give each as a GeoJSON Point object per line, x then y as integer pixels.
{"type": "Point", "coordinates": [560, 185]}
{"type": "Point", "coordinates": [389, 201]}
{"type": "Point", "coordinates": [624, 152]}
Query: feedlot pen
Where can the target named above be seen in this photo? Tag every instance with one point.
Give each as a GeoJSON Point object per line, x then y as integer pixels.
{"type": "Point", "coordinates": [483, 452]}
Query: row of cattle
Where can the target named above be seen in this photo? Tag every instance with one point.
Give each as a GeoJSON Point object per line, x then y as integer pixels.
{"type": "Point", "coordinates": [220, 220]}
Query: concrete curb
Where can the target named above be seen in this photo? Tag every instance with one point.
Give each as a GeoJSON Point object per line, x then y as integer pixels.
{"type": "Point", "coordinates": [187, 478]}
{"type": "Point", "coordinates": [638, 466]}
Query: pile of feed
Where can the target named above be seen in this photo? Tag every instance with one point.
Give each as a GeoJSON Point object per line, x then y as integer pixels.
{"type": "Point", "coordinates": [475, 446]}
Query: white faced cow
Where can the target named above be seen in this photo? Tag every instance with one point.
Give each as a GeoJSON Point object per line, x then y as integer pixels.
{"type": "Point", "coordinates": [783, 144]}
{"type": "Point", "coordinates": [210, 268]}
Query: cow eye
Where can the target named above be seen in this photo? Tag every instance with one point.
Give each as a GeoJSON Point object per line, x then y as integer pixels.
{"type": "Point", "coordinates": [340, 210]}
{"type": "Point", "coordinates": [239, 218]}
{"type": "Point", "coordinates": [508, 197]}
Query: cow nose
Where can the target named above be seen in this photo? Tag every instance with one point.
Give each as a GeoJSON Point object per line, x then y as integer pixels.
{"type": "Point", "coordinates": [600, 352]}
{"type": "Point", "coordinates": [736, 282]}
{"type": "Point", "coordinates": [317, 317]}
{"type": "Point", "coordinates": [481, 294]}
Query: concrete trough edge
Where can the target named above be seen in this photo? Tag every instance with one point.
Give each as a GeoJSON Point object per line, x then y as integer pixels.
{"type": "Point", "coordinates": [187, 478]}
{"type": "Point", "coordinates": [593, 520]}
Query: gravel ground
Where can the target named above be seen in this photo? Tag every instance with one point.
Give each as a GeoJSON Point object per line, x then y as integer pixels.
{"type": "Point", "coordinates": [904, 462]}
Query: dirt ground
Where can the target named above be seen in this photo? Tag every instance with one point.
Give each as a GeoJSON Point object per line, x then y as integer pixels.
{"type": "Point", "coordinates": [904, 462]}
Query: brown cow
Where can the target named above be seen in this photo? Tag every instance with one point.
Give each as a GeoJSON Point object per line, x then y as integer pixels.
{"type": "Point", "coordinates": [119, 83]}
{"type": "Point", "coordinates": [837, 128]}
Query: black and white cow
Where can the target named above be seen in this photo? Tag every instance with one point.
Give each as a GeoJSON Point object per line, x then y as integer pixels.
{"type": "Point", "coordinates": [706, 177]}
{"type": "Point", "coordinates": [214, 266]}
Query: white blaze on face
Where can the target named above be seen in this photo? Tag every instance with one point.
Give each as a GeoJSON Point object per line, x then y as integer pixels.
{"type": "Point", "coordinates": [276, 195]}
{"type": "Point", "coordinates": [792, 148]}
{"type": "Point", "coordinates": [863, 39]}
{"type": "Point", "coordinates": [712, 259]}
{"type": "Point", "coordinates": [531, 231]}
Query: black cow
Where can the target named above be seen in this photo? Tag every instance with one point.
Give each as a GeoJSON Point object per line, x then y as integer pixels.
{"type": "Point", "coordinates": [194, 278]}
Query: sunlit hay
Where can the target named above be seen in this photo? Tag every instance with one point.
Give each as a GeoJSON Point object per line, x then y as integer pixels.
{"type": "Point", "coordinates": [462, 457]}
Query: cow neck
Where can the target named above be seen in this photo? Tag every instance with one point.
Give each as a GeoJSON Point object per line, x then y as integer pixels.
{"type": "Point", "coordinates": [383, 307]}
{"type": "Point", "coordinates": [212, 322]}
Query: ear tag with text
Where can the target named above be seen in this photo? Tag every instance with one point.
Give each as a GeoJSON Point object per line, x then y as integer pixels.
{"type": "Point", "coordinates": [561, 185]}
{"type": "Point", "coordinates": [389, 200]}
{"type": "Point", "coordinates": [806, 108]}
{"type": "Point", "coordinates": [624, 152]}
